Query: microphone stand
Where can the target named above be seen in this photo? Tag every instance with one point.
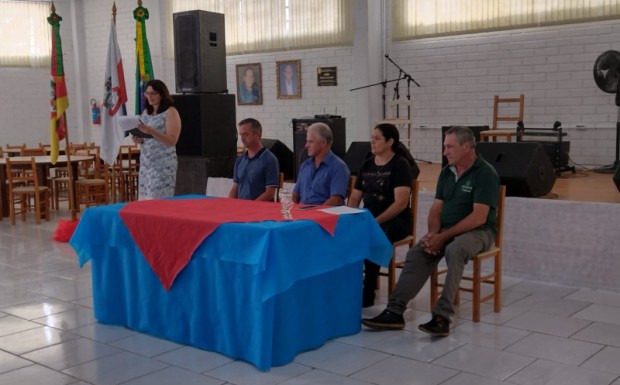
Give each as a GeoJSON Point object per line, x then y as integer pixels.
{"type": "Point", "coordinates": [402, 73]}
{"type": "Point", "coordinates": [384, 84]}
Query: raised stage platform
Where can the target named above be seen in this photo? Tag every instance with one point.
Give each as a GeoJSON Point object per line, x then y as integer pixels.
{"type": "Point", "coordinates": [571, 236]}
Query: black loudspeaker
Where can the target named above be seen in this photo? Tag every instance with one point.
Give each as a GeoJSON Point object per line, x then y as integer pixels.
{"type": "Point", "coordinates": [617, 178]}
{"type": "Point", "coordinates": [193, 171]}
{"type": "Point", "coordinates": [523, 167]}
{"type": "Point", "coordinates": [558, 154]}
{"type": "Point", "coordinates": [284, 155]}
{"type": "Point", "coordinates": [475, 129]}
{"type": "Point", "coordinates": [208, 125]}
{"type": "Point", "coordinates": [359, 152]}
{"type": "Point", "coordinates": [356, 155]}
{"type": "Point", "coordinates": [300, 127]}
{"type": "Point", "coordinates": [199, 52]}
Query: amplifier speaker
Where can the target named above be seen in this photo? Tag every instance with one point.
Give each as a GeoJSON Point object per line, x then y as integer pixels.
{"type": "Point", "coordinates": [359, 152]}
{"type": "Point", "coordinates": [193, 172]}
{"type": "Point", "coordinates": [617, 178]}
{"type": "Point", "coordinates": [284, 155]}
{"type": "Point", "coordinates": [523, 167]}
{"type": "Point", "coordinates": [475, 129]}
{"type": "Point", "coordinates": [199, 52]}
{"type": "Point", "coordinates": [300, 127]}
{"type": "Point", "coordinates": [208, 127]}
{"type": "Point", "coordinates": [558, 154]}
{"type": "Point", "coordinates": [356, 155]}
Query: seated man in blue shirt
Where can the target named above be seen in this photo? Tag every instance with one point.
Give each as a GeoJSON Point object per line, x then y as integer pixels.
{"type": "Point", "coordinates": [323, 178]}
{"type": "Point", "coordinates": [256, 172]}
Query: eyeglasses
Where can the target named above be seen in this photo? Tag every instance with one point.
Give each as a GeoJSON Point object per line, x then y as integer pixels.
{"type": "Point", "coordinates": [151, 93]}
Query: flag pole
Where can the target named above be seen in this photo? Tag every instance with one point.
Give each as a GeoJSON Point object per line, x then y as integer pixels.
{"type": "Point", "coordinates": [72, 207]}
{"type": "Point", "coordinates": [114, 170]}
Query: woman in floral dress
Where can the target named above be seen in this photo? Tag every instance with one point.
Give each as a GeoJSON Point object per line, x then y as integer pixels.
{"type": "Point", "coordinates": [158, 157]}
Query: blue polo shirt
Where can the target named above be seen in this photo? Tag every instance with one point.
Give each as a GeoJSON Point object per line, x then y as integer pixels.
{"type": "Point", "coordinates": [253, 175]}
{"type": "Point", "coordinates": [316, 185]}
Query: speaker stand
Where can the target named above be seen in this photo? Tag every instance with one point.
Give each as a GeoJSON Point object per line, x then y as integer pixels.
{"type": "Point", "coordinates": [610, 169]}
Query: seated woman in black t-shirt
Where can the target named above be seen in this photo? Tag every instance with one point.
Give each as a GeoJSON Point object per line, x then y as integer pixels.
{"type": "Point", "coordinates": [384, 184]}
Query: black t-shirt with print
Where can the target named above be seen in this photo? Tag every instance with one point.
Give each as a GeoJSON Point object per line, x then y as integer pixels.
{"type": "Point", "coordinates": [377, 184]}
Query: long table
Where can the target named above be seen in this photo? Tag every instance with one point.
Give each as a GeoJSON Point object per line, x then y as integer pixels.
{"type": "Point", "coordinates": [261, 292]}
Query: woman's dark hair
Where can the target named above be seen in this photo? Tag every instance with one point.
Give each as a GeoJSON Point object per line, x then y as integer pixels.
{"type": "Point", "coordinates": [390, 131]}
{"type": "Point", "coordinates": [166, 100]}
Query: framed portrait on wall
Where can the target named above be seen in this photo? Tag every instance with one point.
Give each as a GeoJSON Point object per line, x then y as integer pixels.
{"type": "Point", "coordinates": [288, 74]}
{"type": "Point", "coordinates": [249, 84]}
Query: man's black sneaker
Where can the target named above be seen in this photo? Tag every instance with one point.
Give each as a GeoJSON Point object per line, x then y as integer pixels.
{"type": "Point", "coordinates": [437, 327]}
{"type": "Point", "coordinates": [385, 321]}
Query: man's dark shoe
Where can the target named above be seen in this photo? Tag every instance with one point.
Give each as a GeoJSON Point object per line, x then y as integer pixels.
{"type": "Point", "coordinates": [385, 321]}
{"type": "Point", "coordinates": [437, 327]}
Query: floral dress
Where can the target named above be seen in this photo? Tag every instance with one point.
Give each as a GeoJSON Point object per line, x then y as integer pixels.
{"type": "Point", "coordinates": [158, 162]}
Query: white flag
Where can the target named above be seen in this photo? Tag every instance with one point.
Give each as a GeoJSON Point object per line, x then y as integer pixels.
{"type": "Point", "coordinates": [114, 98]}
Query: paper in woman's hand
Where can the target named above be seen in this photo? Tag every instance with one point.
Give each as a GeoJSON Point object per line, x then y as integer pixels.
{"type": "Point", "coordinates": [129, 124]}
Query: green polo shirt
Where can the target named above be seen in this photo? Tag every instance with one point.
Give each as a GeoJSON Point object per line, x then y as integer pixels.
{"type": "Point", "coordinates": [479, 184]}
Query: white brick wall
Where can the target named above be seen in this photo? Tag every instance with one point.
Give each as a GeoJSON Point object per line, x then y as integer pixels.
{"type": "Point", "coordinates": [552, 66]}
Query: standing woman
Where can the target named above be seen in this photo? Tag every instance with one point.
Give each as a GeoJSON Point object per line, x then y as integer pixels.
{"type": "Point", "coordinates": [384, 183]}
{"type": "Point", "coordinates": [158, 157]}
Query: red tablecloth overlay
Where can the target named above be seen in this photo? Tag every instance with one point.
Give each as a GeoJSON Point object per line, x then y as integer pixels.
{"type": "Point", "coordinates": [167, 232]}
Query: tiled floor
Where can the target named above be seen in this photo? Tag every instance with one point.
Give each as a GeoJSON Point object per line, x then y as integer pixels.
{"type": "Point", "coordinates": [545, 334]}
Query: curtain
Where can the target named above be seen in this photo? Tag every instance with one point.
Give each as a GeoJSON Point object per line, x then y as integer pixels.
{"type": "Point", "coordinates": [276, 25]}
{"type": "Point", "coordinates": [26, 35]}
{"type": "Point", "coordinates": [420, 18]}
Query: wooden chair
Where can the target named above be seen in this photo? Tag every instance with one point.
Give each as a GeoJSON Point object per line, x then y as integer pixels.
{"type": "Point", "coordinates": [32, 151]}
{"type": "Point", "coordinates": [60, 186]}
{"type": "Point", "coordinates": [93, 188]}
{"type": "Point", "coordinates": [131, 174]}
{"type": "Point", "coordinates": [22, 187]}
{"type": "Point", "coordinates": [276, 197]}
{"type": "Point", "coordinates": [399, 113]}
{"type": "Point", "coordinates": [477, 276]}
{"type": "Point", "coordinates": [14, 150]}
{"type": "Point", "coordinates": [409, 240]}
{"type": "Point", "coordinates": [351, 186]}
{"type": "Point", "coordinates": [498, 117]}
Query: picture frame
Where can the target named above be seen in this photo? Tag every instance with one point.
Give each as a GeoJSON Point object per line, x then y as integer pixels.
{"type": "Point", "coordinates": [288, 75]}
{"type": "Point", "coordinates": [249, 84]}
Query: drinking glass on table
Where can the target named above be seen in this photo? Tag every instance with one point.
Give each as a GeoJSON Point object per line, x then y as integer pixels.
{"type": "Point", "coordinates": [286, 202]}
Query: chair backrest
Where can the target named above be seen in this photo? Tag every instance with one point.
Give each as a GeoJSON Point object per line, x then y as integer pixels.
{"type": "Point", "coordinates": [14, 150]}
{"type": "Point", "coordinates": [500, 216]}
{"type": "Point", "coordinates": [352, 179]}
{"type": "Point", "coordinates": [276, 196]}
{"type": "Point", "coordinates": [33, 151]}
{"type": "Point", "coordinates": [413, 203]}
{"type": "Point", "coordinates": [516, 115]}
{"type": "Point", "coordinates": [22, 172]}
{"type": "Point", "coordinates": [46, 147]}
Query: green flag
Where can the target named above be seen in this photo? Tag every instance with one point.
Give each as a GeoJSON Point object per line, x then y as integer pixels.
{"type": "Point", "coordinates": [144, 66]}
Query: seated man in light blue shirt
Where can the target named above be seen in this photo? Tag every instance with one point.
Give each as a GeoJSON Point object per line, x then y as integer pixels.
{"type": "Point", "coordinates": [323, 178]}
{"type": "Point", "coordinates": [256, 172]}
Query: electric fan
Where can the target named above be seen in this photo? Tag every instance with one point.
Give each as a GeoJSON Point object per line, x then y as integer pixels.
{"type": "Point", "coordinates": [607, 76]}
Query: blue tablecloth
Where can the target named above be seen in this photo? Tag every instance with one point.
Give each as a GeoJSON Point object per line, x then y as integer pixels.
{"type": "Point", "coordinates": [259, 292]}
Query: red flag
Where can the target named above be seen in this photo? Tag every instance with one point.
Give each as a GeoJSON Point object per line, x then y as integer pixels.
{"type": "Point", "coordinates": [59, 100]}
{"type": "Point", "coordinates": [115, 96]}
